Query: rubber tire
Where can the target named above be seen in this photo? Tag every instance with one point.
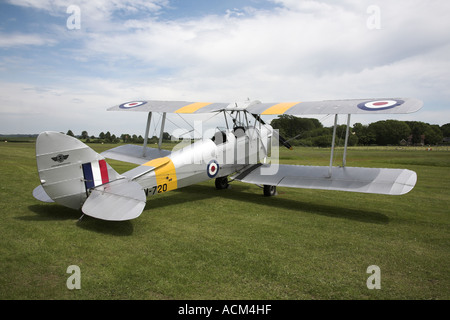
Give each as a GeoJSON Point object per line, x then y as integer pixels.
{"type": "Point", "coordinates": [270, 191]}
{"type": "Point", "coordinates": [222, 183]}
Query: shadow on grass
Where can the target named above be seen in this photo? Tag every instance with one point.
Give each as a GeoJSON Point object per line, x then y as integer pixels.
{"type": "Point", "coordinates": [202, 192]}
{"type": "Point", "coordinates": [114, 228]}
{"type": "Point", "coordinates": [239, 193]}
{"type": "Point", "coordinates": [54, 212]}
{"type": "Point", "coordinates": [51, 212]}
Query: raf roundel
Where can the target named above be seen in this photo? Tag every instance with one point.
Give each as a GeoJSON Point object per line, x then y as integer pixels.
{"type": "Point", "coordinates": [377, 105]}
{"type": "Point", "coordinates": [212, 169]}
{"type": "Point", "coordinates": [132, 104]}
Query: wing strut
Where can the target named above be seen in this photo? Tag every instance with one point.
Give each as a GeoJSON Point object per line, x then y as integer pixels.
{"type": "Point", "coordinates": [333, 145]}
{"type": "Point", "coordinates": [147, 128]}
{"type": "Point", "coordinates": [163, 122]}
{"type": "Point", "coordinates": [347, 132]}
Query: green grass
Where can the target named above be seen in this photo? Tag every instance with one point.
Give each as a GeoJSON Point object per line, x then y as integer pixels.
{"type": "Point", "coordinates": [203, 243]}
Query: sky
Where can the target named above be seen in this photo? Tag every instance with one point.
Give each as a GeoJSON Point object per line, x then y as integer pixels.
{"type": "Point", "coordinates": [63, 63]}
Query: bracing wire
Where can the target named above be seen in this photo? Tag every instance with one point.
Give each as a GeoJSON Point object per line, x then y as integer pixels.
{"type": "Point", "coordinates": [156, 126]}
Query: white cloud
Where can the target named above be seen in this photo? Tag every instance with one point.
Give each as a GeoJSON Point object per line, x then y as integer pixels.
{"type": "Point", "coordinates": [57, 7]}
{"type": "Point", "coordinates": [98, 15]}
{"type": "Point", "coordinates": [20, 40]}
{"type": "Point", "coordinates": [318, 39]}
{"type": "Point", "coordinates": [307, 50]}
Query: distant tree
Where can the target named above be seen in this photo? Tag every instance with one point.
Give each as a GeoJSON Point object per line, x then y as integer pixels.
{"type": "Point", "coordinates": [290, 126]}
{"type": "Point", "coordinates": [323, 141]}
{"type": "Point", "coordinates": [101, 135]}
{"type": "Point", "coordinates": [318, 132]}
{"type": "Point", "coordinates": [70, 133]}
{"type": "Point", "coordinates": [341, 131]}
{"type": "Point", "coordinates": [153, 139]}
{"type": "Point", "coordinates": [166, 136]}
{"type": "Point", "coordinates": [433, 134]}
{"type": "Point", "coordinates": [390, 131]}
{"type": "Point", "coordinates": [445, 129]}
{"type": "Point", "coordinates": [125, 137]}
{"type": "Point", "coordinates": [425, 132]}
{"type": "Point", "coordinates": [365, 136]}
{"type": "Point", "coordinates": [84, 135]}
{"type": "Point", "coordinates": [418, 129]}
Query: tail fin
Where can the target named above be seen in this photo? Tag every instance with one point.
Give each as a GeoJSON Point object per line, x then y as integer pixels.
{"type": "Point", "coordinates": [69, 171]}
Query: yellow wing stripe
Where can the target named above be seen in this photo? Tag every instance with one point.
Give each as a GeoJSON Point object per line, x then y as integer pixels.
{"type": "Point", "coordinates": [279, 108]}
{"type": "Point", "coordinates": [191, 108]}
{"type": "Point", "coordinates": [165, 173]}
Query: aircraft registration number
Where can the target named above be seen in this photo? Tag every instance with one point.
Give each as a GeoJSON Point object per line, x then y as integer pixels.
{"type": "Point", "coordinates": [156, 189]}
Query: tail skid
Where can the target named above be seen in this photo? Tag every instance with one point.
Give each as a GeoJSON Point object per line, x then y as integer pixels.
{"type": "Point", "coordinates": [75, 176]}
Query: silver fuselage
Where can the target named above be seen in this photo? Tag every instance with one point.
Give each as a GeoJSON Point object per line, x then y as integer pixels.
{"type": "Point", "coordinates": [228, 152]}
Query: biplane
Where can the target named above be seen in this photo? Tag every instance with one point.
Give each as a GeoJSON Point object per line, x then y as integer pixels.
{"type": "Point", "coordinates": [73, 175]}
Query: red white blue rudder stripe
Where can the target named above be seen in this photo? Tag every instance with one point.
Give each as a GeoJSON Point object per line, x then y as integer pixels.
{"type": "Point", "coordinates": [95, 174]}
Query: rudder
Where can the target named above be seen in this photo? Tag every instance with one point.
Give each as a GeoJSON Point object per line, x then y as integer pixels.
{"type": "Point", "coordinates": [68, 169]}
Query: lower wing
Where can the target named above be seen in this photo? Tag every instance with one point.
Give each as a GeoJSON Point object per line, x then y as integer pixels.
{"type": "Point", "coordinates": [366, 180]}
{"type": "Point", "coordinates": [134, 154]}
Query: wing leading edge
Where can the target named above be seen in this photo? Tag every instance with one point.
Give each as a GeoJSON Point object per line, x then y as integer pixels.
{"type": "Point", "coordinates": [353, 179]}
{"type": "Point", "coordinates": [185, 107]}
{"type": "Point", "coordinates": [351, 106]}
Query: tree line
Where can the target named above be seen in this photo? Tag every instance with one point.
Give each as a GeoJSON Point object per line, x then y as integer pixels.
{"type": "Point", "coordinates": [310, 132]}
{"type": "Point", "coordinates": [112, 138]}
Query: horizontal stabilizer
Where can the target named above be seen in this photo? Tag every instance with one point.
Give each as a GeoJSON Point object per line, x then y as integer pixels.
{"type": "Point", "coordinates": [116, 201]}
{"type": "Point", "coordinates": [366, 180]}
{"type": "Point", "coordinates": [134, 154]}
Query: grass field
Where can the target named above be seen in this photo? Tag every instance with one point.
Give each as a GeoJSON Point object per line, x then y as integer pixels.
{"type": "Point", "coordinates": [203, 243]}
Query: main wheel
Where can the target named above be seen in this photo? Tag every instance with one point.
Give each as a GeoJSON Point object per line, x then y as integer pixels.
{"type": "Point", "coordinates": [270, 191]}
{"type": "Point", "coordinates": [222, 183]}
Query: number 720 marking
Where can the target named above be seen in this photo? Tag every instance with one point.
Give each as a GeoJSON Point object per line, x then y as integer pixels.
{"type": "Point", "coordinates": [159, 188]}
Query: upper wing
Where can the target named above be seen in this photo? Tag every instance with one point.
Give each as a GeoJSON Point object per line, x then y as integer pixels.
{"type": "Point", "coordinates": [352, 106]}
{"type": "Point", "coordinates": [170, 106]}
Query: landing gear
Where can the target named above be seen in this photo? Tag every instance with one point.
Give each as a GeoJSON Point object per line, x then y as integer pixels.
{"type": "Point", "coordinates": [270, 191]}
{"type": "Point", "coordinates": [222, 183]}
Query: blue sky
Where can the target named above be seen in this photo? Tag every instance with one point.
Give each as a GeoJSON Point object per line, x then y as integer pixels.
{"type": "Point", "coordinates": [55, 78]}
